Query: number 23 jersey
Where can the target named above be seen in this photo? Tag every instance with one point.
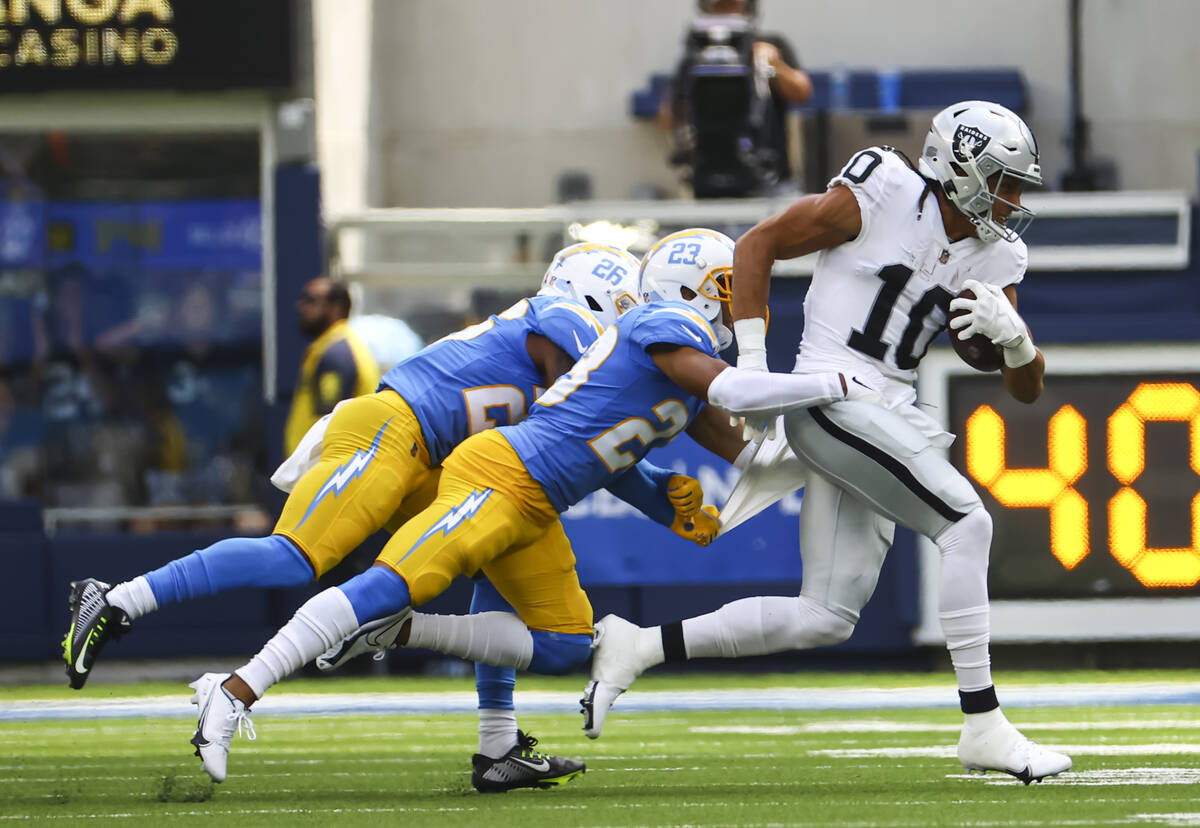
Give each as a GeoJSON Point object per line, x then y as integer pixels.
{"type": "Point", "coordinates": [613, 406]}
{"type": "Point", "coordinates": [882, 297]}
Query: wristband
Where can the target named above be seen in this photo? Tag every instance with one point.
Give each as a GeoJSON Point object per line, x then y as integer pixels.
{"type": "Point", "coordinates": [751, 334]}
{"type": "Point", "coordinates": [1022, 352]}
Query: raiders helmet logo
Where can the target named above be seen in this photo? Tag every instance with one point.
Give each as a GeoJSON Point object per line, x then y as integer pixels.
{"type": "Point", "coordinates": [968, 142]}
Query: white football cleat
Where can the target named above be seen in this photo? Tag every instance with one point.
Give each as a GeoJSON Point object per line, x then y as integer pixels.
{"type": "Point", "coordinates": [221, 715]}
{"type": "Point", "coordinates": [377, 637]}
{"type": "Point", "coordinates": [616, 664]}
{"type": "Point", "coordinates": [994, 744]}
{"type": "Point", "coordinates": [598, 697]}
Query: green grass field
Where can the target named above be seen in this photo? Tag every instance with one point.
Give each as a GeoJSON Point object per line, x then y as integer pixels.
{"type": "Point", "coordinates": [1134, 764]}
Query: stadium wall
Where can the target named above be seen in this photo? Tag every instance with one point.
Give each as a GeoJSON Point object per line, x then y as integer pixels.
{"type": "Point", "coordinates": [476, 103]}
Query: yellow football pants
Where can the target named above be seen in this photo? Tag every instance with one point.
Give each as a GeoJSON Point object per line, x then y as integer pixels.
{"type": "Point", "coordinates": [490, 515]}
{"type": "Point", "coordinates": [373, 473]}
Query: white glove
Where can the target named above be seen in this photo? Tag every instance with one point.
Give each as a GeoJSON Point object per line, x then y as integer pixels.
{"type": "Point", "coordinates": [991, 314]}
{"type": "Point", "coordinates": [750, 335]}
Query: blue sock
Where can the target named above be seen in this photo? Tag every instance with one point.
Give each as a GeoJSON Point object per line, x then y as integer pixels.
{"type": "Point", "coordinates": [494, 685]}
{"type": "Point", "coordinates": [376, 593]}
{"type": "Point", "coordinates": [556, 654]}
{"type": "Point", "coordinates": [273, 561]}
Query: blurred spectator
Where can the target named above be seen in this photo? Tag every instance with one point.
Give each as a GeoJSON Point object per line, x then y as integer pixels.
{"type": "Point", "coordinates": [727, 104]}
{"type": "Point", "coordinates": [338, 364]}
{"type": "Point", "coordinates": [20, 434]}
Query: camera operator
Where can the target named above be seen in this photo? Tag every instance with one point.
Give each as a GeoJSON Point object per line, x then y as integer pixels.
{"type": "Point", "coordinates": [728, 101]}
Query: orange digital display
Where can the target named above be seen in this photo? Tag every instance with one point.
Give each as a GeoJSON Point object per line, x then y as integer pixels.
{"type": "Point", "coordinates": [1094, 490]}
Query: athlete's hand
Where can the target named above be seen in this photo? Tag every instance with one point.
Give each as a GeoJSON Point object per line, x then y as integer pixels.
{"type": "Point", "coordinates": [685, 495]}
{"type": "Point", "coordinates": [699, 528]}
{"type": "Point", "coordinates": [989, 313]}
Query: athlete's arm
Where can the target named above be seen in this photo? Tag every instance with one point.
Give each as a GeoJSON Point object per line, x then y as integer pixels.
{"type": "Point", "coordinates": [813, 223]}
{"type": "Point", "coordinates": [1025, 382]}
{"type": "Point", "coordinates": [551, 360]}
{"type": "Point", "coordinates": [644, 487]}
{"type": "Point", "coordinates": [712, 430]}
{"type": "Point", "coordinates": [742, 391]}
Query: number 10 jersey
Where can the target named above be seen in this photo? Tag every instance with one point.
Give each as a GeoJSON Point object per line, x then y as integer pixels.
{"type": "Point", "coordinates": [884, 296]}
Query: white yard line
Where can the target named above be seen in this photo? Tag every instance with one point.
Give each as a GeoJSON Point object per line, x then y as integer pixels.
{"type": "Point", "coordinates": [948, 751]}
{"type": "Point", "coordinates": [309, 704]}
{"type": "Point", "coordinates": [875, 726]}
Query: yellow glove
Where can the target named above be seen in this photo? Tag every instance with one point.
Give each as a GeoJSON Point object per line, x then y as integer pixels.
{"type": "Point", "coordinates": [685, 495]}
{"type": "Point", "coordinates": [700, 528]}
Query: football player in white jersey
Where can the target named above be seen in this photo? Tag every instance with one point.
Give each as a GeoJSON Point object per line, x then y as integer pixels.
{"type": "Point", "coordinates": [896, 245]}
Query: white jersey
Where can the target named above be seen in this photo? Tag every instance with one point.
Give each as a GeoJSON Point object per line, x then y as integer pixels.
{"type": "Point", "coordinates": [878, 301]}
{"type": "Point", "coordinates": [883, 297]}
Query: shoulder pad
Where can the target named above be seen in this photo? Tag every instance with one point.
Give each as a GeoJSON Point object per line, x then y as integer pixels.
{"type": "Point", "coordinates": [874, 175]}
{"type": "Point", "coordinates": [1004, 264]}
{"type": "Point", "coordinates": [674, 323]}
{"type": "Point", "coordinates": [566, 323]}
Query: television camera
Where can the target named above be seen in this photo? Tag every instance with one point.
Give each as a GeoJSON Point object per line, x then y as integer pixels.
{"type": "Point", "coordinates": [725, 136]}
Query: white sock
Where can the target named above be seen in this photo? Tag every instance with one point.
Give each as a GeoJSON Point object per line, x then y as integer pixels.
{"type": "Point", "coordinates": [963, 599]}
{"type": "Point", "coordinates": [967, 635]}
{"type": "Point", "coordinates": [985, 721]}
{"type": "Point", "coordinates": [497, 638]}
{"type": "Point", "coordinates": [135, 597]}
{"type": "Point", "coordinates": [764, 624]}
{"type": "Point", "coordinates": [497, 732]}
{"type": "Point", "coordinates": [324, 620]}
{"type": "Point", "coordinates": [649, 648]}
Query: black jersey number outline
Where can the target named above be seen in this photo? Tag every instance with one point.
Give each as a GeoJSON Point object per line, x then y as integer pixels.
{"type": "Point", "coordinates": [869, 340]}
{"type": "Point", "coordinates": [858, 178]}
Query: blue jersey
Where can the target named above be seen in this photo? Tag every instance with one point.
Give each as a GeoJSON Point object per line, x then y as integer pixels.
{"type": "Point", "coordinates": [613, 406]}
{"type": "Point", "coordinates": [482, 376]}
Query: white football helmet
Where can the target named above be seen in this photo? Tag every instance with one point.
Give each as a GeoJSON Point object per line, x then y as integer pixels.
{"type": "Point", "coordinates": [693, 266]}
{"type": "Point", "coordinates": [601, 277]}
{"type": "Point", "coordinates": [971, 141]}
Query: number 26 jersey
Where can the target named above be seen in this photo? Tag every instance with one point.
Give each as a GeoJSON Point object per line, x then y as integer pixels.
{"type": "Point", "coordinates": [482, 376]}
{"type": "Point", "coordinates": [883, 297]}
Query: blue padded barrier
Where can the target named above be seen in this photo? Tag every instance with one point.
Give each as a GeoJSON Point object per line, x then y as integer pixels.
{"type": "Point", "coordinates": [919, 89]}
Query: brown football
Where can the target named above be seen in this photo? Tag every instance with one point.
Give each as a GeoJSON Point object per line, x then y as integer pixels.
{"type": "Point", "coordinates": [978, 351]}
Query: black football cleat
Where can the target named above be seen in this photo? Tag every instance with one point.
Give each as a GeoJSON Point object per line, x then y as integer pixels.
{"type": "Point", "coordinates": [94, 622]}
{"type": "Point", "coordinates": [522, 767]}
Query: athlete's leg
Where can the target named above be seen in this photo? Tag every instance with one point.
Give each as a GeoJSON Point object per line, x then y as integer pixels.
{"type": "Point", "coordinates": [506, 759]}
{"type": "Point", "coordinates": [372, 458]}
{"type": "Point", "coordinates": [373, 462]}
{"type": "Point", "coordinates": [461, 530]}
{"type": "Point", "coordinates": [494, 685]}
{"type": "Point", "coordinates": [554, 629]}
{"type": "Point", "coordinates": [843, 544]}
{"type": "Point", "coordinates": [273, 561]}
{"type": "Point", "coordinates": [907, 480]}
{"type": "Point", "coordinates": [885, 461]}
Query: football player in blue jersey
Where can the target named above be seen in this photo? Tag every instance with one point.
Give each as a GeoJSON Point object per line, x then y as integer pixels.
{"type": "Point", "coordinates": [501, 491]}
{"type": "Point", "coordinates": [374, 463]}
